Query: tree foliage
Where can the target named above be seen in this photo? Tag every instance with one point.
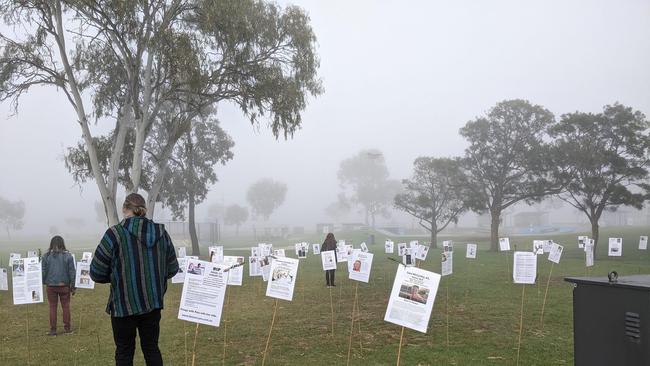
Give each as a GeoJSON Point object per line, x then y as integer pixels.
{"type": "Point", "coordinates": [266, 195]}
{"type": "Point", "coordinates": [235, 215]}
{"type": "Point", "coordinates": [602, 160]}
{"type": "Point", "coordinates": [435, 194]}
{"type": "Point", "coordinates": [11, 215]}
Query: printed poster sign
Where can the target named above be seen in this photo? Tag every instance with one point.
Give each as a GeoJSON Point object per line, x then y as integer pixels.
{"type": "Point", "coordinates": [411, 299]}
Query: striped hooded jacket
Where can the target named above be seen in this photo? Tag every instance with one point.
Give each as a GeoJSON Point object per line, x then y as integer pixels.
{"type": "Point", "coordinates": [136, 257]}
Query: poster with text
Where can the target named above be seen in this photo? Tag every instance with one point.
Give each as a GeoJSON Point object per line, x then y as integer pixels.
{"type": "Point", "coordinates": [408, 259]}
{"type": "Point", "coordinates": [547, 245]}
{"type": "Point", "coordinates": [179, 277]}
{"type": "Point", "coordinates": [27, 278]}
{"type": "Point", "coordinates": [422, 252]}
{"type": "Point", "coordinates": [203, 293]}
{"type": "Point", "coordinates": [32, 254]}
{"type": "Point", "coordinates": [265, 249]}
{"type": "Point", "coordinates": [361, 266]}
{"type": "Point", "coordinates": [255, 252]}
{"type": "Point", "coordinates": [556, 253]}
{"type": "Point", "coordinates": [215, 253]}
{"type": "Point", "coordinates": [364, 247]}
{"type": "Point", "coordinates": [589, 253]}
{"type": "Point", "coordinates": [265, 267]}
{"type": "Point", "coordinates": [13, 257]}
{"type": "Point", "coordinates": [401, 247]}
{"type": "Point", "coordinates": [643, 243]}
{"type": "Point", "coordinates": [4, 283]}
{"type": "Point", "coordinates": [524, 268]}
{"type": "Point", "coordinates": [328, 258]}
{"type": "Point", "coordinates": [254, 269]}
{"type": "Point", "coordinates": [538, 247]}
{"type": "Point", "coordinates": [411, 299]}
{"type": "Point", "coordinates": [83, 279]}
{"type": "Point", "coordinates": [182, 252]}
{"type": "Point", "coordinates": [315, 249]}
{"type": "Point", "coordinates": [447, 246]}
{"type": "Point", "coordinates": [471, 251]}
{"type": "Point", "coordinates": [301, 250]}
{"type": "Point", "coordinates": [86, 257]}
{"type": "Point", "coordinates": [279, 253]}
{"type": "Point", "coordinates": [235, 275]}
{"type": "Point", "coordinates": [504, 244]}
{"type": "Point", "coordinates": [341, 253]}
{"type": "Point", "coordinates": [350, 256]}
{"type": "Point", "coordinates": [283, 278]}
{"type": "Point", "coordinates": [615, 247]}
{"type": "Point", "coordinates": [581, 241]}
{"type": "Point", "coordinates": [389, 247]}
{"type": "Point", "coordinates": [447, 263]}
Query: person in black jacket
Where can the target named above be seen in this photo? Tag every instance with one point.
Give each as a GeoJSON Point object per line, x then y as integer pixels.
{"type": "Point", "coordinates": [329, 244]}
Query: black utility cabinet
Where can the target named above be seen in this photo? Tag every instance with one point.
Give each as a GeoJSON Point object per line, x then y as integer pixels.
{"type": "Point", "coordinates": [610, 321]}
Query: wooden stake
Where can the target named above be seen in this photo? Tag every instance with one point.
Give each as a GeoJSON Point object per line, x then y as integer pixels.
{"type": "Point", "coordinates": [548, 282]}
{"type": "Point", "coordinates": [196, 335]}
{"type": "Point", "coordinates": [225, 329]}
{"type": "Point", "coordinates": [359, 324]}
{"type": "Point", "coordinates": [29, 353]}
{"type": "Point", "coordinates": [185, 337]}
{"type": "Point", "coordinates": [332, 307]}
{"type": "Point", "coordinates": [447, 311]}
{"type": "Point", "coordinates": [521, 320]}
{"type": "Point", "coordinates": [354, 307]}
{"type": "Point", "coordinates": [268, 340]}
{"type": "Point", "coordinates": [399, 349]}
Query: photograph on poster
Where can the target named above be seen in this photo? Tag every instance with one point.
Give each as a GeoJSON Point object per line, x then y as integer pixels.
{"type": "Point", "coordinates": [412, 297]}
{"type": "Point", "coordinates": [615, 248]}
{"type": "Point", "coordinates": [470, 251]}
{"type": "Point", "coordinates": [328, 258]}
{"type": "Point", "coordinates": [203, 293]}
{"type": "Point", "coordinates": [350, 259]}
{"type": "Point", "coordinates": [389, 247]}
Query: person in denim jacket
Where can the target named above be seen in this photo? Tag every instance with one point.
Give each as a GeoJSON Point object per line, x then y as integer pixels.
{"type": "Point", "coordinates": [59, 277]}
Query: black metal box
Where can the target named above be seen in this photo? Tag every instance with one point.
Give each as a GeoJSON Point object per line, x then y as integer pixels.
{"type": "Point", "coordinates": [610, 321]}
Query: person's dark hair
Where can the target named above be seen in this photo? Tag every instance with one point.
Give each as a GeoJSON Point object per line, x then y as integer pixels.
{"type": "Point", "coordinates": [329, 240]}
{"type": "Point", "coordinates": [57, 244]}
{"type": "Point", "coordinates": [135, 203]}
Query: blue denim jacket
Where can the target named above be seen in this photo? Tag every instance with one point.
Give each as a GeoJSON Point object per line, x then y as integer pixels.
{"type": "Point", "coordinates": [58, 267]}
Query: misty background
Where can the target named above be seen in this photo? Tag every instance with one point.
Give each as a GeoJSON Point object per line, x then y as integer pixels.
{"type": "Point", "coordinates": [398, 77]}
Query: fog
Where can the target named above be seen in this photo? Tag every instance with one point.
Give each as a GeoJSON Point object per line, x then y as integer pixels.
{"type": "Point", "coordinates": [401, 77]}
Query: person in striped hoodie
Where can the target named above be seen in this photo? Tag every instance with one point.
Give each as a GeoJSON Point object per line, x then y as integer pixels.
{"type": "Point", "coordinates": [136, 257]}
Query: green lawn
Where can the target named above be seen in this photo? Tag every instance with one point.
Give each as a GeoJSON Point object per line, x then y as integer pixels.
{"type": "Point", "coordinates": [479, 303]}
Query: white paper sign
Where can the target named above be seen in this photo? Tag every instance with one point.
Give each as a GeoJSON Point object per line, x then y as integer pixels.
{"type": "Point", "coordinates": [301, 251]}
{"type": "Point", "coordinates": [179, 277]}
{"type": "Point", "coordinates": [265, 266]}
{"type": "Point", "coordinates": [182, 252]}
{"type": "Point", "coordinates": [504, 244]}
{"type": "Point", "coordinates": [615, 247]}
{"type": "Point", "coordinates": [279, 253]}
{"type": "Point", "coordinates": [203, 293]}
{"type": "Point", "coordinates": [524, 268]}
{"type": "Point", "coordinates": [283, 278]}
{"type": "Point", "coordinates": [83, 279]}
{"type": "Point", "coordinates": [350, 256]}
{"type": "Point", "coordinates": [316, 249]}
{"type": "Point", "coordinates": [27, 278]}
{"type": "Point", "coordinates": [447, 263]}
{"type": "Point", "coordinates": [328, 258]}
{"type": "Point", "coordinates": [389, 247]}
{"type": "Point", "coordinates": [538, 247]}
{"type": "Point", "coordinates": [447, 246]}
{"type": "Point", "coordinates": [86, 257]}
{"type": "Point", "coordinates": [265, 249]}
{"type": "Point", "coordinates": [254, 269]}
{"type": "Point", "coordinates": [13, 257]}
{"type": "Point", "coordinates": [581, 241]}
{"type": "Point", "coordinates": [32, 254]}
{"type": "Point", "coordinates": [422, 252]}
{"type": "Point", "coordinates": [589, 253]}
{"type": "Point", "coordinates": [556, 253]}
{"type": "Point", "coordinates": [411, 299]}
{"type": "Point", "coordinates": [341, 253]}
{"type": "Point", "coordinates": [408, 259]}
{"type": "Point", "coordinates": [255, 252]}
{"type": "Point", "coordinates": [4, 284]}
{"type": "Point", "coordinates": [216, 254]}
{"type": "Point", "coordinates": [548, 244]}
{"type": "Point", "coordinates": [235, 275]}
{"type": "Point", "coordinates": [471, 251]}
{"type": "Point", "coordinates": [364, 247]}
{"type": "Point", "coordinates": [643, 243]}
{"type": "Point", "coordinates": [361, 266]}
{"type": "Point", "coordinates": [401, 247]}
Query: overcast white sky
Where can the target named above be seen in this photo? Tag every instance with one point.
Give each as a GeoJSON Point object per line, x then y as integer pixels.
{"type": "Point", "coordinates": [400, 76]}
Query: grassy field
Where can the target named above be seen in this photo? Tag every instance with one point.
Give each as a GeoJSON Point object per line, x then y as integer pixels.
{"type": "Point", "coordinates": [475, 318]}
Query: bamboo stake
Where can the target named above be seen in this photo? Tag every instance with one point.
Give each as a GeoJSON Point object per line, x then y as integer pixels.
{"type": "Point", "coordinates": [359, 324]}
{"type": "Point", "coordinates": [332, 307]}
{"type": "Point", "coordinates": [399, 349]}
{"type": "Point", "coordinates": [29, 352]}
{"type": "Point", "coordinates": [268, 340]}
{"type": "Point", "coordinates": [354, 307]}
{"type": "Point", "coordinates": [196, 335]}
{"type": "Point", "coordinates": [185, 337]}
{"type": "Point", "coordinates": [521, 321]}
{"type": "Point", "coordinates": [447, 311]}
{"type": "Point", "coordinates": [225, 329]}
{"type": "Point", "coordinates": [548, 282]}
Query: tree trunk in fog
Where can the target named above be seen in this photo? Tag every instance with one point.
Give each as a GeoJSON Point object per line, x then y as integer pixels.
{"type": "Point", "coordinates": [494, 230]}
{"type": "Point", "coordinates": [434, 239]}
{"type": "Point", "coordinates": [8, 233]}
{"type": "Point", "coordinates": [595, 231]}
{"type": "Point", "coordinates": [193, 237]}
{"type": "Point", "coordinates": [372, 217]}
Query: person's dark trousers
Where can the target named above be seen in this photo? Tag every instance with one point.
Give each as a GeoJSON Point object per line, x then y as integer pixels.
{"type": "Point", "coordinates": [148, 327]}
{"type": "Point", "coordinates": [329, 277]}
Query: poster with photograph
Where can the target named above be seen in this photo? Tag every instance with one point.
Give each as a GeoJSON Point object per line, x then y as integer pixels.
{"type": "Point", "coordinates": [27, 278]}
{"type": "Point", "coordinates": [643, 243]}
{"type": "Point", "coordinates": [4, 283]}
{"type": "Point", "coordinates": [13, 257]}
{"type": "Point", "coordinates": [265, 249]}
{"type": "Point", "coordinates": [235, 275]}
{"type": "Point", "coordinates": [328, 258]}
{"type": "Point", "coordinates": [447, 246]}
{"type": "Point", "coordinates": [301, 250]}
{"type": "Point", "coordinates": [341, 254]}
{"type": "Point", "coordinates": [504, 244]}
{"type": "Point", "coordinates": [389, 247]}
{"type": "Point", "coordinates": [279, 253]}
{"type": "Point", "coordinates": [422, 252]}
{"type": "Point", "coordinates": [470, 252]}
{"type": "Point", "coordinates": [283, 278]}
{"type": "Point", "coordinates": [547, 245]}
{"type": "Point", "coordinates": [589, 253]}
{"type": "Point", "coordinates": [361, 266]}
{"type": "Point", "coordinates": [524, 268]}
{"type": "Point", "coordinates": [408, 259]}
{"type": "Point", "coordinates": [538, 247]}
{"type": "Point", "coordinates": [179, 277]}
{"type": "Point", "coordinates": [364, 247]}
{"type": "Point", "coordinates": [182, 252]}
{"type": "Point", "coordinates": [215, 254]}
{"type": "Point", "coordinates": [556, 253]}
{"type": "Point", "coordinates": [204, 290]}
{"type": "Point", "coordinates": [615, 247]}
{"type": "Point", "coordinates": [315, 248]}
{"type": "Point", "coordinates": [255, 252]}
{"type": "Point", "coordinates": [86, 257]}
{"type": "Point", "coordinates": [83, 279]}
{"type": "Point", "coordinates": [254, 269]}
{"type": "Point", "coordinates": [581, 241]}
{"type": "Point", "coordinates": [265, 267]}
{"type": "Point", "coordinates": [32, 254]}
{"type": "Point", "coordinates": [411, 299]}
{"type": "Point", "coordinates": [401, 247]}
{"type": "Point", "coordinates": [447, 263]}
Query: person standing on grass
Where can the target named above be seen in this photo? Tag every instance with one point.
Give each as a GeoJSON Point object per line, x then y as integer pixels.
{"type": "Point", "coordinates": [136, 257]}
{"type": "Point", "coordinates": [59, 277]}
{"type": "Point", "coordinates": [329, 244]}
